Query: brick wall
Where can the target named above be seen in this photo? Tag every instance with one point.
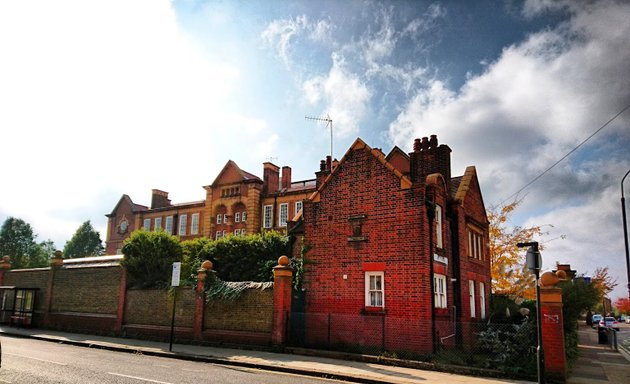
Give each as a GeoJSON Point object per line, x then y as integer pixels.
{"type": "Point", "coordinates": [155, 307]}
{"type": "Point", "coordinates": [251, 312]}
{"type": "Point", "coordinates": [395, 238]}
{"type": "Point", "coordinates": [86, 290]}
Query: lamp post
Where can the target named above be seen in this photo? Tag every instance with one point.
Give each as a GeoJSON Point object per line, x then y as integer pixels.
{"type": "Point", "coordinates": [534, 264]}
{"type": "Point", "coordinates": [625, 231]}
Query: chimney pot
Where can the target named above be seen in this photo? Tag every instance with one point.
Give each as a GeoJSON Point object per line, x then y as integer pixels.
{"type": "Point", "coordinates": [328, 163]}
{"type": "Point", "coordinates": [425, 144]}
{"type": "Point", "coordinates": [322, 165]}
{"type": "Point", "coordinates": [433, 142]}
{"type": "Point", "coordinates": [417, 145]}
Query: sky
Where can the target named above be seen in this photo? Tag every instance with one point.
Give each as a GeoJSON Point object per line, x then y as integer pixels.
{"type": "Point", "coordinates": [104, 98]}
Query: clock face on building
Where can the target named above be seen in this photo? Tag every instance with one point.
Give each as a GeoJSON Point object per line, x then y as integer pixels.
{"type": "Point", "coordinates": [123, 226]}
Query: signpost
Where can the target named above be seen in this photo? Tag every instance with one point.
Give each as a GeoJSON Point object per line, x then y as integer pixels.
{"type": "Point", "coordinates": [177, 268]}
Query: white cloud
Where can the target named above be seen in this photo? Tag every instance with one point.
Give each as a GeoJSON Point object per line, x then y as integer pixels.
{"type": "Point", "coordinates": [345, 94]}
{"type": "Point", "coordinates": [99, 99]}
{"type": "Point", "coordinates": [531, 106]}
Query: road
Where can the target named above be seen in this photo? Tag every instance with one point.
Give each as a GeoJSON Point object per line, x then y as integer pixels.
{"type": "Point", "coordinates": [623, 337]}
{"type": "Point", "coordinates": [27, 361]}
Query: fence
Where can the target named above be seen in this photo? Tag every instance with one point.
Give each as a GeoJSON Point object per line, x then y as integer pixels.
{"type": "Point", "coordinates": [510, 348]}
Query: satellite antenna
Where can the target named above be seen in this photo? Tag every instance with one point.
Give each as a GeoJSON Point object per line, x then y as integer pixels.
{"type": "Point", "coordinates": [271, 159]}
{"type": "Point", "coordinates": [328, 121]}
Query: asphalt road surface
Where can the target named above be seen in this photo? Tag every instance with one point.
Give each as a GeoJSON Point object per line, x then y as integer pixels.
{"type": "Point", "coordinates": [26, 361]}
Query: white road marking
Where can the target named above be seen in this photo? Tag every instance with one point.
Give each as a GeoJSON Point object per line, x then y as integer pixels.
{"type": "Point", "coordinates": [138, 378]}
{"type": "Point", "coordinates": [33, 358]}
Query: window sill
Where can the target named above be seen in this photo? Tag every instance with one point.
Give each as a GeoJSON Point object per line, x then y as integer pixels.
{"type": "Point", "coordinates": [441, 311]}
{"type": "Point", "coordinates": [356, 239]}
{"type": "Point", "coordinates": [373, 311]}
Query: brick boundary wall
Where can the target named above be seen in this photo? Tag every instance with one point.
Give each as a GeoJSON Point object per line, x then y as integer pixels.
{"type": "Point", "coordinates": [93, 298]}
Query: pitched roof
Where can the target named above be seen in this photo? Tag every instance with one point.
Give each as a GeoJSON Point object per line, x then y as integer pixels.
{"type": "Point", "coordinates": [134, 207]}
{"type": "Point", "coordinates": [359, 145]}
{"type": "Point", "coordinates": [468, 180]}
{"type": "Point", "coordinates": [245, 176]}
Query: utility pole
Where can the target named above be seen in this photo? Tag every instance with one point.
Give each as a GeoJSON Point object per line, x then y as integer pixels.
{"type": "Point", "coordinates": [328, 121]}
{"type": "Point", "coordinates": [625, 230]}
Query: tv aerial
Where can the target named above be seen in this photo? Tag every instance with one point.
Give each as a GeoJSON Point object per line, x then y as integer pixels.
{"type": "Point", "coordinates": [328, 122]}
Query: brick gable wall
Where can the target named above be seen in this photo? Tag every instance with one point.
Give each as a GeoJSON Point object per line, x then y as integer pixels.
{"type": "Point", "coordinates": [395, 229]}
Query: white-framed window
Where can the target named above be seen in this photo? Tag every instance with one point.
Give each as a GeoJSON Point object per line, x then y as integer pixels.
{"type": "Point", "coordinates": [298, 207]}
{"type": "Point", "coordinates": [244, 216]}
{"type": "Point", "coordinates": [267, 213]}
{"type": "Point", "coordinates": [243, 232]}
{"type": "Point", "coordinates": [283, 215]}
{"type": "Point", "coordinates": [482, 300]}
{"type": "Point", "coordinates": [219, 218]}
{"type": "Point", "coordinates": [471, 294]}
{"type": "Point", "coordinates": [158, 224]}
{"type": "Point", "coordinates": [375, 289]}
{"type": "Point", "coordinates": [168, 225]}
{"type": "Point", "coordinates": [147, 224]}
{"type": "Point", "coordinates": [237, 232]}
{"type": "Point", "coordinates": [438, 226]}
{"type": "Point", "coordinates": [224, 234]}
{"type": "Point", "coordinates": [183, 222]}
{"type": "Point", "coordinates": [475, 244]}
{"type": "Point", "coordinates": [194, 225]}
{"type": "Point", "coordinates": [218, 235]}
{"type": "Point", "coordinates": [225, 218]}
{"type": "Point", "coordinates": [237, 217]}
{"type": "Point", "coordinates": [439, 291]}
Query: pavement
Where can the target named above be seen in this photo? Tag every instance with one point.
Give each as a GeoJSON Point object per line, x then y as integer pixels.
{"type": "Point", "coordinates": [597, 364]}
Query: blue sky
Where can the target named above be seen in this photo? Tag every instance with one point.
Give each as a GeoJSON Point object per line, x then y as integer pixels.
{"type": "Point", "coordinates": [98, 99]}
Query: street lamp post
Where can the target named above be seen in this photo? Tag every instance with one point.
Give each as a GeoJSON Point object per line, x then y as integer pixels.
{"type": "Point", "coordinates": [534, 264]}
{"type": "Point", "coordinates": [625, 231]}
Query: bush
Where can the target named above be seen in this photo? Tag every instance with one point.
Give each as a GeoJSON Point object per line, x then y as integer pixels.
{"type": "Point", "coordinates": [242, 258]}
{"type": "Point", "coordinates": [510, 347]}
{"type": "Point", "coordinates": [149, 258]}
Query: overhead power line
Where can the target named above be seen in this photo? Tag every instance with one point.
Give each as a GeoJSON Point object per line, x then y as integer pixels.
{"type": "Point", "coordinates": [565, 156]}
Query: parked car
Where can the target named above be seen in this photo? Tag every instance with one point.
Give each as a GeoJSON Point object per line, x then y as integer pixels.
{"type": "Point", "coordinates": [596, 319]}
{"type": "Point", "coordinates": [609, 322]}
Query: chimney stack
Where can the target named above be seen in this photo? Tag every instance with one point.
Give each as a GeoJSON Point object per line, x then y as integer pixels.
{"type": "Point", "coordinates": [271, 178]}
{"type": "Point", "coordinates": [159, 199]}
{"type": "Point", "coordinates": [428, 157]}
{"type": "Point", "coordinates": [286, 177]}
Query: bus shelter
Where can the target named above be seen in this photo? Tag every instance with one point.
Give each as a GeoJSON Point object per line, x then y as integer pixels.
{"type": "Point", "coordinates": [18, 305]}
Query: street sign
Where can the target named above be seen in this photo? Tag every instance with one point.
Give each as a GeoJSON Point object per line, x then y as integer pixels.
{"type": "Point", "coordinates": [177, 268]}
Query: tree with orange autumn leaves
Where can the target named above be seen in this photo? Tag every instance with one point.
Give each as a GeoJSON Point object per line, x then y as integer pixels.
{"type": "Point", "coordinates": [510, 276]}
{"type": "Point", "coordinates": [623, 305]}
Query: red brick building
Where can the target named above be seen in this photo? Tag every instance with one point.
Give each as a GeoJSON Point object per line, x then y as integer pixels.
{"type": "Point", "coordinates": [237, 203]}
{"type": "Point", "coordinates": [398, 253]}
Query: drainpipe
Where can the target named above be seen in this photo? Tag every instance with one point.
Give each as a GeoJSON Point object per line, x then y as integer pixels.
{"type": "Point", "coordinates": [430, 205]}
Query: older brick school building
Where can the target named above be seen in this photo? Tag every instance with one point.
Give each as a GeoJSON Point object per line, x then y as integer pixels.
{"type": "Point", "coordinates": [397, 248]}
{"type": "Point", "coordinates": [397, 251]}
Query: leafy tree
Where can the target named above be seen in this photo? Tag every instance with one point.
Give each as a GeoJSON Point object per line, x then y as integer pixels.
{"type": "Point", "coordinates": [603, 282]}
{"type": "Point", "coordinates": [17, 241]}
{"type": "Point", "coordinates": [577, 296]}
{"type": "Point", "coordinates": [149, 257]}
{"type": "Point", "coordinates": [85, 242]}
{"type": "Point", "coordinates": [509, 274]}
{"type": "Point", "coordinates": [623, 305]}
{"type": "Point", "coordinates": [46, 250]}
